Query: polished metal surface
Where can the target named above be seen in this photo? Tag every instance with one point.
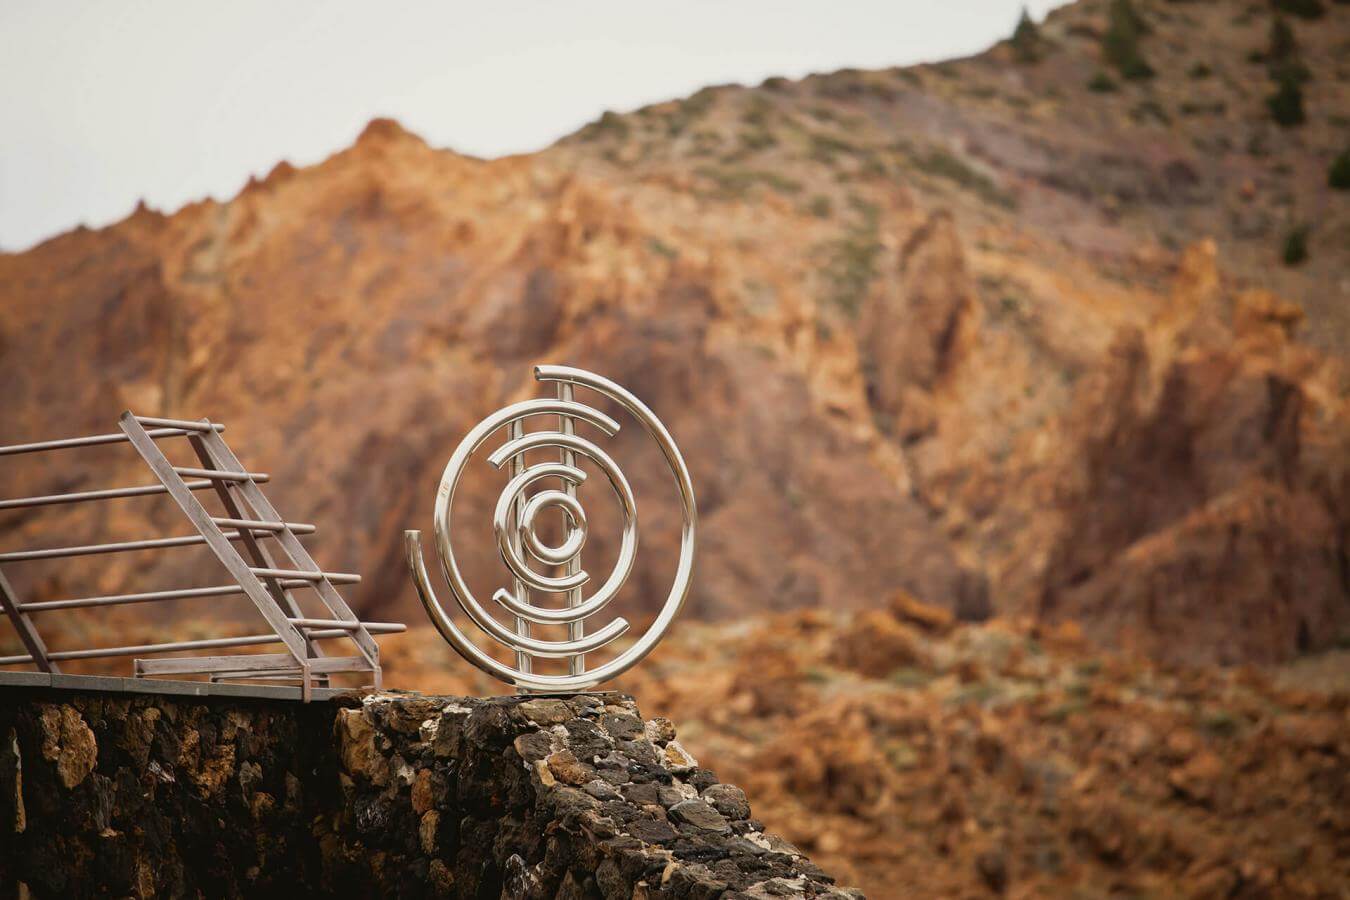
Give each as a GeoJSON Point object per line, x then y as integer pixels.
{"type": "Point", "coordinates": [518, 542]}
{"type": "Point", "coordinates": [238, 539]}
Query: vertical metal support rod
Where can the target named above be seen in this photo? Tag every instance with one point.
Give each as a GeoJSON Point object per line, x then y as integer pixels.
{"type": "Point", "coordinates": [215, 539]}
{"type": "Point", "coordinates": [256, 551]}
{"type": "Point", "coordinates": [576, 664]}
{"type": "Point", "coordinates": [224, 458]}
{"type": "Point", "coordinates": [524, 662]}
{"type": "Point", "coordinates": [32, 641]}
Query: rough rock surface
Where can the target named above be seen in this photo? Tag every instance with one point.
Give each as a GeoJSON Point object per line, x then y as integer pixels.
{"type": "Point", "coordinates": [957, 329]}
{"type": "Point", "coordinates": [390, 795]}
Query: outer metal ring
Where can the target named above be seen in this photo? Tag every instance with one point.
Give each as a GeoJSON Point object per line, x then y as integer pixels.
{"type": "Point", "coordinates": [518, 606]}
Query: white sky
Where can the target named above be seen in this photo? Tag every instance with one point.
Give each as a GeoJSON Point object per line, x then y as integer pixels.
{"type": "Point", "coordinates": [104, 103]}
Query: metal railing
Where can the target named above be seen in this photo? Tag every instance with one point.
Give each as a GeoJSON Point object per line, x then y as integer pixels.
{"type": "Point", "coordinates": [249, 521]}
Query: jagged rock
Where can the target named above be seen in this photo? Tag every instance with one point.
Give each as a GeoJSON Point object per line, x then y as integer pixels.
{"type": "Point", "coordinates": [729, 800]}
{"type": "Point", "coordinates": [370, 807]}
{"type": "Point", "coordinates": [659, 730]}
{"type": "Point", "coordinates": [928, 617]}
{"type": "Point", "coordinates": [700, 815]}
{"type": "Point", "coordinates": [68, 742]}
{"type": "Point", "coordinates": [876, 645]}
{"type": "Point", "coordinates": [568, 769]}
{"type": "Point", "coordinates": [677, 759]}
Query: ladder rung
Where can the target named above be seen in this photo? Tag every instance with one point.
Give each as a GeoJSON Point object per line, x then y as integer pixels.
{"type": "Point", "coordinates": [104, 494]}
{"type": "Point", "coordinates": [150, 596]}
{"type": "Point", "coordinates": [259, 525]}
{"type": "Point", "coordinates": [220, 475]}
{"type": "Point", "coordinates": [210, 643]}
{"type": "Point", "coordinates": [245, 666]}
{"type": "Point", "coordinates": [372, 627]}
{"type": "Point", "coordinates": [204, 664]}
{"type": "Point", "coordinates": [103, 652]}
{"type": "Point", "coordinates": [184, 424]}
{"type": "Point", "coordinates": [93, 440]}
{"type": "Point", "coordinates": [334, 577]}
{"type": "Point", "coordinates": [186, 540]}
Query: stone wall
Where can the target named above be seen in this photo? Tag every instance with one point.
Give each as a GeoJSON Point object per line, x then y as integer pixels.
{"type": "Point", "coordinates": [397, 795]}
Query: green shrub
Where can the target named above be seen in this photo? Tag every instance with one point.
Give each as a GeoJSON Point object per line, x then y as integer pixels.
{"type": "Point", "coordinates": [1296, 246]}
{"type": "Point", "coordinates": [1026, 40]}
{"type": "Point", "coordinates": [1304, 9]}
{"type": "Point", "coordinates": [1120, 42]}
{"type": "Point", "coordinates": [759, 139]}
{"type": "Point", "coordinates": [1199, 70]}
{"type": "Point", "coordinates": [1150, 109]}
{"type": "Point", "coordinates": [1282, 56]}
{"type": "Point", "coordinates": [1101, 83]}
{"type": "Point", "coordinates": [941, 164]}
{"type": "Point", "coordinates": [1286, 104]}
{"type": "Point", "coordinates": [826, 148]}
{"type": "Point", "coordinates": [820, 206]}
{"type": "Point", "coordinates": [851, 262]}
{"type": "Point", "coordinates": [736, 184]}
{"type": "Point", "coordinates": [611, 124]}
{"type": "Point", "coordinates": [690, 110]}
{"type": "Point", "coordinates": [1338, 176]}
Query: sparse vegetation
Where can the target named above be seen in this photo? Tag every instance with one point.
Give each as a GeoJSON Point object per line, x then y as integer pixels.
{"type": "Point", "coordinates": [851, 261]}
{"type": "Point", "coordinates": [827, 148]}
{"type": "Point", "coordinates": [1287, 69]}
{"type": "Point", "coordinates": [1286, 104]}
{"type": "Point", "coordinates": [820, 206]}
{"type": "Point", "coordinates": [735, 184]}
{"type": "Point", "coordinates": [610, 124]}
{"type": "Point", "coordinates": [1282, 55]}
{"type": "Point", "coordinates": [1196, 108]}
{"type": "Point", "coordinates": [690, 110]}
{"type": "Point", "coordinates": [1150, 109]}
{"type": "Point", "coordinates": [852, 84]}
{"type": "Point", "coordinates": [1338, 176]}
{"type": "Point", "coordinates": [757, 139]}
{"type": "Point", "coordinates": [1199, 71]}
{"type": "Point", "coordinates": [942, 164]}
{"type": "Point", "coordinates": [758, 112]}
{"type": "Point", "coordinates": [1101, 83]}
{"type": "Point", "coordinates": [909, 76]}
{"type": "Point", "coordinates": [1304, 9]}
{"type": "Point", "coordinates": [1120, 42]}
{"type": "Point", "coordinates": [1026, 41]}
{"type": "Point", "coordinates": [1296, 246]}
{"type": "Point", "coordinates": [661, 248]}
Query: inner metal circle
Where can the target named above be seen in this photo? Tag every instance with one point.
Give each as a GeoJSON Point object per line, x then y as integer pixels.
{"type": "Point", "coordinates": [576, 532]}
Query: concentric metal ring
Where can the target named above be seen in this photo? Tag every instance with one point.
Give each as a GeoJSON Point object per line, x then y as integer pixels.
{"type": "Point", "coordinates": [514, 519]}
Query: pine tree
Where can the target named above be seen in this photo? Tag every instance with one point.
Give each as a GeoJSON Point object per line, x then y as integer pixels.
{"type": "Point", "coordinates": [1338, 176]}
{"type": "Point", "coordinates": [1304, 9]}
{"type": "Point", "coordinates": [1282, 56]}
{"type": "Point", "coordinates": [1288, 71]}
{"type": "Point", "coordinates": [1026, 40]}
{"type": "Point", "coordinates": [1286, 104]}
{"type": "Point", "coordinates": [1120, 43]}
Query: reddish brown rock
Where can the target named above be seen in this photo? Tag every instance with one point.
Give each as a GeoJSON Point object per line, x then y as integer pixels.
{"type": "Point", "coordinates": [970, 330]}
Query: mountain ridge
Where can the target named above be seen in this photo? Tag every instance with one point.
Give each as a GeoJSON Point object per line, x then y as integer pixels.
{"type": "Point", "coordinates": [891, 363]}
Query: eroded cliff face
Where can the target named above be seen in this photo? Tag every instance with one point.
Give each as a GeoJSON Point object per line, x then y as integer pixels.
{"type": "Point", "coordinates": [385, 796]}
{"type": "Point", "coordinates": [900, 345]}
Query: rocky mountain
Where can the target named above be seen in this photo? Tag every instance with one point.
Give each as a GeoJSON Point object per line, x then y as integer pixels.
{"type": "Point", "coordinates": [915, 756]}
{"type": "Point", "coordinates": [1055, 331]}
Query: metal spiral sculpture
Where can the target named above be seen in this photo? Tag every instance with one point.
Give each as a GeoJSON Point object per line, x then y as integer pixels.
{"type": "Point", "coordinates": [517, 540]}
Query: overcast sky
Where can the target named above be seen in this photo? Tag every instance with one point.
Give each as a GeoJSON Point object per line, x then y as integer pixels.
{"type": "Point", "coordinates": [109, 101]}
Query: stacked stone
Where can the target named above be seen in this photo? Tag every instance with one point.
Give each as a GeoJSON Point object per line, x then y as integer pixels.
{"type": "Point", "coordinates": [556, 797]}
{"type": "Point", "coordinates": [390, 795]}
